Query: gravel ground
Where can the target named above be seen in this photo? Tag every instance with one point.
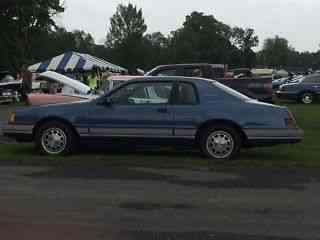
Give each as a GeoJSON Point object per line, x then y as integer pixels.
{"type": "Point", "coordinates": [140, 203]}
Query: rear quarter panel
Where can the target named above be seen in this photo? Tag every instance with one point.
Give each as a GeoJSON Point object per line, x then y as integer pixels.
{"type": "Point", "coordinates": [217, 104]}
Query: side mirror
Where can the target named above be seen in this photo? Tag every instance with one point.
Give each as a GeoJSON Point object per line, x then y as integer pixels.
{"type": "Point", "coordinates": [106, 101]}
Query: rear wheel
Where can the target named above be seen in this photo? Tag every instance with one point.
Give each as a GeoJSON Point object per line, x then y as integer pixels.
{"type": "Point", "coordinates": [307, 98]}
{"type": "Point", "coordinates": [220, 142]}
{"type": "Point", "coordinates": [55, 138]}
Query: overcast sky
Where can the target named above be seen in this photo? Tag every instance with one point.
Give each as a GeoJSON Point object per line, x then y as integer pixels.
{"type": "Point", "coordinates": [296, 20]}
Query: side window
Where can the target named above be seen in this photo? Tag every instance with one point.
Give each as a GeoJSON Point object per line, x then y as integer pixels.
{"type": "Point", "coordinates": [143, 93]}
{"type": "Point", "coordinates": [193, 72]}
{"type": "Point", "coordinates": [167, 72]}
{"type": "Point", "coordinates": [314, 79]}
{"type": "Point", "coordinates": [186, 94]}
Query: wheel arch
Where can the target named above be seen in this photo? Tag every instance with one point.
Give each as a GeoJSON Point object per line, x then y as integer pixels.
{"type": "Point", "coordinates": [226, 122]}
{"type": "Point", "coordinates": [53, 119]}
{"type": "Point", "coordinates": [306, 91]}
{"type": "Point", "coordinates": [299, 98]}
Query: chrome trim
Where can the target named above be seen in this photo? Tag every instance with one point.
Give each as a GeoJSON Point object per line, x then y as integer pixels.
{"type": "Point", "coordinates": [12, 128]}
{"type": "Point", "coordinates": [82, 130]}
{"type": "Point", "coordinates": [185, 132]}
{"type": "Point", "coordinates": [137, 136]}
{"type": "Point", "coordinates": [129, 132]}
{"type": "Point", "coordinates": [273, 134]}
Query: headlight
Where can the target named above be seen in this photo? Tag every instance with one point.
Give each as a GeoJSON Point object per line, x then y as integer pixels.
{"type": "Point", "coordinates": [6, 94]}
{"type": "Point", "coordinates": [12, 118]}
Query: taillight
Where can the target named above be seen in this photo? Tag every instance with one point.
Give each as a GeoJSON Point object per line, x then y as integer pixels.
{"type": "Point", "coordinates": [291, 121]}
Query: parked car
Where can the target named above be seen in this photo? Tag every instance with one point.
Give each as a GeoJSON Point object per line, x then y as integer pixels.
{"type": "Point", "coordinates": [10, 88]}
{"type": "Point", "coordinates": [257, 88]}
{"type": "Point", "coordinates": [241, 73]}
{"type": "Point", "coordinates": [218, 119]}
{"type": "Point", "coordinates": [277, 83]}
{"type": "Point", "coordinates": [57, 88]}
{"type": "Point", "coordinates": [304, 90]}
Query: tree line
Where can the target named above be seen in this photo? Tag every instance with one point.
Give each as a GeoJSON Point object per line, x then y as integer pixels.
{"type": "Point", "coordinates": [30, 34]}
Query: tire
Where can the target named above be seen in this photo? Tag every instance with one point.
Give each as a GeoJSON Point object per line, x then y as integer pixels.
{"type": "Point", "coordinates": [56, 138]}
{"type": "Point", "coordinates": [307, 98]}
{"type": "Point", "coordinates": [227, 150]}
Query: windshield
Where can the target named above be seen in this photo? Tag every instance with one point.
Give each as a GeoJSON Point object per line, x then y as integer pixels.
{"type": "Point", "coordinates": [230, 91]}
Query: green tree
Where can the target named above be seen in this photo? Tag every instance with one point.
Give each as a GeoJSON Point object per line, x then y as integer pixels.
{"type": "Point", "coordinates": [125, 36]}
{"type": "Point", "coordinates": [202, 39]}
{"type": "Point", "coordinates": [276, 52]}
{"type": "Point", "coordinates": [245, 40]}
{"type": "Point", "coordinates": [21, 23]}
{"type": "Point", "coordinates": [156, 50]}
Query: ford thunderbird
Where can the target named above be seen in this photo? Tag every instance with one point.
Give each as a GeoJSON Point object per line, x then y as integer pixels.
{"type": "Point", "coordinates": [217, 119]}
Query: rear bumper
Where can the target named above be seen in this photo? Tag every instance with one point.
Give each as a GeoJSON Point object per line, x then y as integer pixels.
{"type": "Point", "coordinates": [21, 133]}
{"type": "Point", "coordinates": [268, 137]}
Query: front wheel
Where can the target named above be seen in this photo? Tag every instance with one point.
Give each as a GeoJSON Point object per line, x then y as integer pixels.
{"type": "Point", "coordinates": [220, 143]}
{"type": "Point", "coordinates": [55, 138]}
{"type": "Point", "coordinates": [307, 98]}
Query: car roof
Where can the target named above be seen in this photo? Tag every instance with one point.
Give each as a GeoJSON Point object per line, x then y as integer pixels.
{"type": "Point", "coordinates": [169, 78]}
{"type": "Point", "coordinates": [189, 65]}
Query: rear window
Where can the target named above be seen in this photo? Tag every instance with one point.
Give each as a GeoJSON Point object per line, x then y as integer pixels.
{"type": "Point", "coordinates": [230, 91]}
{"type": "Point", "coordinates": [312, 79]}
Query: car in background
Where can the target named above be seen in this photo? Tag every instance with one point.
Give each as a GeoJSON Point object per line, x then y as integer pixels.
{"type": "Point", "coordinates": [241, 72]}
{"type": "Point", "coordinates": [277, 83]}
{"type": "Point", "coordinates": [10, 88]}
{"type": "Point", "coordinates": [258, 88]}
{"type": "Point", "coordinates": [155, 110]}
{"type": "Point", "coordinates": [58, 88]}
{"type": "Point", "coordinates": [304, 90]}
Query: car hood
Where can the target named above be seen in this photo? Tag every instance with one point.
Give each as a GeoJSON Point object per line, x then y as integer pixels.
{"type": "Point", "coordinates": [291, 85]}
{"type": "Point", "coordinates": [77, 85]}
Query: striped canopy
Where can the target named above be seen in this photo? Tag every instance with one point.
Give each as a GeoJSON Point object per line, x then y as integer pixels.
{"type": "Point", "coordinates": [76, 62]}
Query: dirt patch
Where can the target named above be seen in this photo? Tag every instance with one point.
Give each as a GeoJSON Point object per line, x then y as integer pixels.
{"type": "Point", "coordinates": [246, 178]}
{"type": "Point", "coordinates": [145, 206]}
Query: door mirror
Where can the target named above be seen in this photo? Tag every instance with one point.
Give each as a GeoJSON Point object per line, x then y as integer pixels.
{"type": "Point", "coordinates": [106, 101]}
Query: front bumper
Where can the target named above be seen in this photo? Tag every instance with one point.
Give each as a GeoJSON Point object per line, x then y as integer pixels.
{"type": "Point", "coordinates": [258, 137]}
{"type": "Point", "coordinates": [21, 133]}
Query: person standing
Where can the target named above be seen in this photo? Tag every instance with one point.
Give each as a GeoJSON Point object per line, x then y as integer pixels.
{"type": "Point", "coordinates": [26, 76]}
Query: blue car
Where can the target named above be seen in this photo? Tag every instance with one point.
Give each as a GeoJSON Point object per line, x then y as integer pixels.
{"type": "Point", "coordinates": [304, 90]}
{"type": "Point", "coordinates": [216, 118]}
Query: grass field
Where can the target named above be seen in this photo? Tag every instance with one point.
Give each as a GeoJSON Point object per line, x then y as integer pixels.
{"type": "Point", "coordinates": [305, 154]}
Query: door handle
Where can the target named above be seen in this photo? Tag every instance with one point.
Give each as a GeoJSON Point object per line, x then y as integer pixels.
{"type": "Point", "coordinates": [162, 110]}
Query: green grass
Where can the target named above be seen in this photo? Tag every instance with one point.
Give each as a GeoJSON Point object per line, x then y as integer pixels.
{"type": "Point", "coordinates": [305, 154]}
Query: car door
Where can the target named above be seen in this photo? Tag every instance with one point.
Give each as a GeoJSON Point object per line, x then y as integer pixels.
{"type": "Point", "coordinates": [138, 109]}
{"type": "Point", "coordinates": [313, 84]}
{"type": "Point", "coordinates": [187, 110]}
